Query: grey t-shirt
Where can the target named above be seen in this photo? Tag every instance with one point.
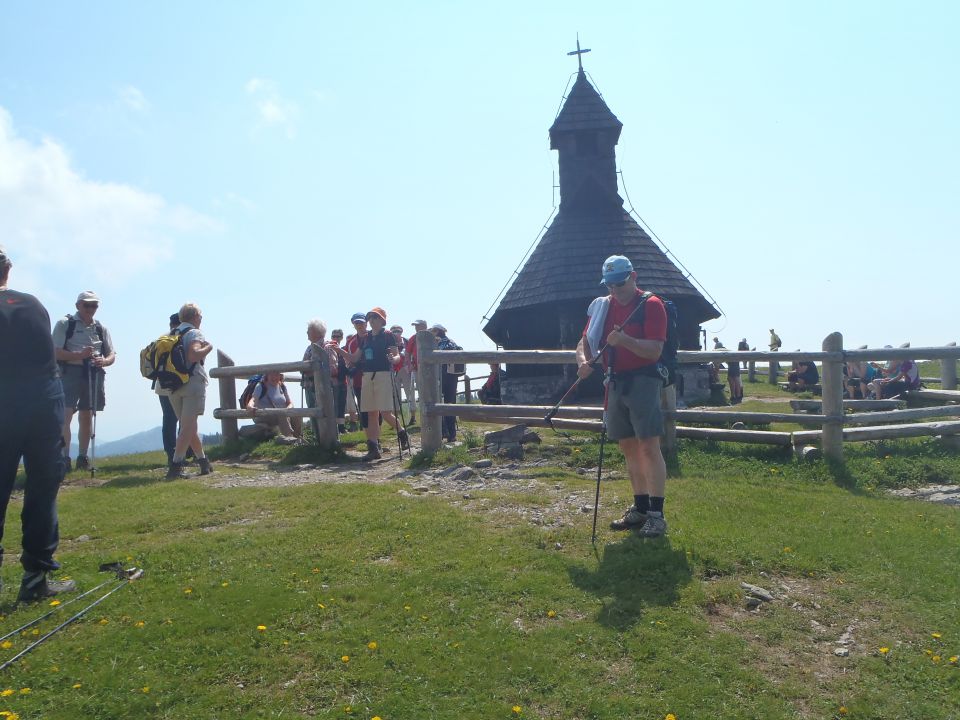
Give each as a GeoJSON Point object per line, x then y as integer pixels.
{"type": "Point", "coordinates": [83, 336]}
{"type": "Point", "coordinates": [190, 336]}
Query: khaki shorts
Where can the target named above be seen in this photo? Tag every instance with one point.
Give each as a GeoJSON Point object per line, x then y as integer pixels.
{"type": "Point", "coordinates": [190, 399]}
{"type": "Point", "coordinates": [377, 392]}
{"type": "Point", "coordinates": [633, 408]}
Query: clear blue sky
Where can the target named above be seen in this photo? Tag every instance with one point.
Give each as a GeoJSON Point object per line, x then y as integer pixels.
{"type": "Point", "coordinates": [278, 162]}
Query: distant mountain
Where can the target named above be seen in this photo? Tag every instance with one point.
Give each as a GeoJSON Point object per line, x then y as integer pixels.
{"type": "Point", "coordinates": [146, 441]}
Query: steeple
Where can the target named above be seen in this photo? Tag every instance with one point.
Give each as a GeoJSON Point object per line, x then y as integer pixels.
{"type": "Point", "coordinates": [585, 134]}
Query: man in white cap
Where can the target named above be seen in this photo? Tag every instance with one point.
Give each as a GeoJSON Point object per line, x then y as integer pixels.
{"type": "Point", "coordinates": [31, 419]}
{"type": "Point", "coordinates": [633, 417]}
{"type": "Point", "coordinates": [83, 349]}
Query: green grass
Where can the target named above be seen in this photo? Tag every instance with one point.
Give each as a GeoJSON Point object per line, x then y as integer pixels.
{"type": "Point", "coordinates": [475, 610]}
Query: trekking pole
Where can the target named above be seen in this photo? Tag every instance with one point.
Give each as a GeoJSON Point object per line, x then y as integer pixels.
{"type": "Point", "coordinates": [596, 498]}
{"type": "Point", "coordinates": [593, 363]}
{"type": "Point", "coordinates": [393, 394]}
{"type": "Point", "coordinates": [93, 428]}
{"type": "Point", "coordinates": [47, 614]}
{"type": "Point", "coordinates": [130, 575]}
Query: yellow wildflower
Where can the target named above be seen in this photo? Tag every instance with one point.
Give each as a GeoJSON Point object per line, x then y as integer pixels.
{"type": "Point", "coordinates": [321, 606]}
{"type": "Point", "coordinates": [517, 709]}
{"type": "Point", "coordinates": [140, 623]}
{"type": "Point", "coordinates": [843, 710]}
{"type": "Point", "coordinates": [24, 691]}
{"type": "Point", "coordinates": [54, 603]}
{"type": "Point", "coordinates": [224, 584]}
{"type": "Point", "coordinates": [7, 693]}
{"type": "Point", "coordinates": [884, 650]}
{"type": "Point", "coordinates": [6, 644]}
{"type": "Point", "coordinates": [372, 644]}
{"type": "Point", "coordinates": [551, 613]}
{"type": "Point", "coordinates": [670, 716]}
{"type": "Point", "coordinates": [77, 686]}
{"type": "Point", "coordinates": [407, 608]}
{"type": "Point", "coordinates": [145, 689]}
{"type": "Point", "coordinates": [187, 591]}
{"type": "Point", "coordinates": [262, 628]}
{"type": "Point", "coordinates": [345, 658]}
{"type": "Point", "coordinates": [936, 658]}
{"type": "Point", "coordinates": [954, 659]}
{"type": "Point", "coordinates": [936, 635]}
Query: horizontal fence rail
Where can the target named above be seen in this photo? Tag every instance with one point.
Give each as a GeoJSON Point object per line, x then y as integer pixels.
{"type": "Point", "coordinates": [834, 425]}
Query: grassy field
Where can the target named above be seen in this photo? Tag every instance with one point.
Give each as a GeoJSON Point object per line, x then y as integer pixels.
{"type": "Point", "coordinates": [358, 600]}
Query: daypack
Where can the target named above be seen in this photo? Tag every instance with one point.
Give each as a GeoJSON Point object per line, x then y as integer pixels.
{"type": "Point", "coordinates": [667, 362]}
{"type": "Point", "coordinates": [251, 388]}
{"type": "Point", "coordinates": [165, 362]}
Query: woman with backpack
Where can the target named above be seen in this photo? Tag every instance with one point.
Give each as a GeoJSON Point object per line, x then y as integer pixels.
{"type": "Point", "coordinates": [270, 392]}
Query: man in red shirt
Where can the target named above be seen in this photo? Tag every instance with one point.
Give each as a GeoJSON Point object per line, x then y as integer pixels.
{"type": "Point", "coordinates": [633, 416]}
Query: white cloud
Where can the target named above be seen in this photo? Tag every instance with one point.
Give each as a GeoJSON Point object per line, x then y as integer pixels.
{"type": "Point", "coordinates": [55, 217]}
{"type": "Point", "coordinates": [133, 99]}
{"type": "Point", "coordinates": [273, 110]}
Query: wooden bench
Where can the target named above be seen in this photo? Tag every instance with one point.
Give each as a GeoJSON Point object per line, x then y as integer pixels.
{"type": "Point", "coordinates": [816, 406]}
{"type": "Point", "coordinates": [815, 389]}
{"type": "Point", "coordinates": [935, 395]}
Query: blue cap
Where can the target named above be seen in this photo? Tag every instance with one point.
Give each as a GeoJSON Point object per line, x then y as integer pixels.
{"type": "Point", "coordinates": [616, 268]}
{"type": "Point", "coordinates": [358, 317]}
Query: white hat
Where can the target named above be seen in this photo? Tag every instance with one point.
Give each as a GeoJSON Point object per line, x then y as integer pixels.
{"type": "Point", "coordinates": [88, 296]}
{"type": "Point", "coordinates": [438, 326]}
{"type": "Point", "coordinates": [418, 322]}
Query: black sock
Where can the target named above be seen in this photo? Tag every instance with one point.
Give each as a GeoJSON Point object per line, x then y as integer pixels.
{"type": "Point", "coordinates": [656, 504]}
{"type": "Point", "coordinates": [641, 502]}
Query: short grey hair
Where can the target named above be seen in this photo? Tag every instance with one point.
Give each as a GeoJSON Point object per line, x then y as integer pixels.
{"type": "Point", "coordinates": [319, 325]}
{"type": "Point", "coordinates": [5, 262]}
{"type": "Point", "coordinates": [190, 311]}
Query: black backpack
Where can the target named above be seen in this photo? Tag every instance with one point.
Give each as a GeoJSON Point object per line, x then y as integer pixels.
{"type": "Point", "coordinates": [667, 362]}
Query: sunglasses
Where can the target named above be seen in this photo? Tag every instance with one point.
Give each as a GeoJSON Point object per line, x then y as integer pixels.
{"type": "Point", "coordinates": [616, 284]}
{"type": "Point", "coordinates": [90, 305]}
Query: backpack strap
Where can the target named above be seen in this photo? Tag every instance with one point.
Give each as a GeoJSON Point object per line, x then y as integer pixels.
{"type": "Point", "coordinates": [71, 329]}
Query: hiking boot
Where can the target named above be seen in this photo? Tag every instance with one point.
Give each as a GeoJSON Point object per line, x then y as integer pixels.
{"type": "Point", "coordinates": [83, 463]}
{"type": "Point", "coordinates": [404, 439]}
{"type": "Point", "coordinates": [67, 465]}
{"type": "Point", "coordinates": [631, 519]}
{"type": "Point", "coordinates": [413, 420]}
{"type": "Point", "coordinates": [655, 526]}
{"type": "Point", "coordinates": [341, 429]}
{"type": "Point", "coordinates": [205, 467]}
{"type": "Point", "coordinates": [36, 586]}
{"type": "Point", "coordinates": [177, 471]}
{"type": "Point", "coordinates": [373, 450]}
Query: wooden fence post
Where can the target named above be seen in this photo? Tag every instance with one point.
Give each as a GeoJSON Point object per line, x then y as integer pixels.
{"type": "Point", "coordinates": [228, 398]}
{"type": "Point", "coordinates": [773, 372]}
{"type": "Point", "coordinates": [327, 417]}
{"type": "Point", "coordinates": [948, 372]}
{"type": "Point", "coordinates": [668, 401]}
{"type": "Point", "coordinates": [752, 371]}
{"type": "Point", "coordinates": [831, 382]}
{"type": "Point", "coordinates": [428, 377]}
{"type": "Point", "coordinates": [466, 387]}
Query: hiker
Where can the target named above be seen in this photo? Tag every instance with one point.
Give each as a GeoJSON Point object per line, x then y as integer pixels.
{"type": "Point", "coordinates": [401, 376]}
{"type": "Point", "coordinates": [316, 334]}
{"type": "Point", "coordinates": [741, 346]}
{"type": "Point", "coordinates": [188, 401]}
{"type": "Point", "coordinates": [633, 415]}
{"type": "Point", "coordinates": [905, 376]}
{"type": "Point", "coordinates": [31, 425]}
{"type": "Point", "coordinates": [271, 392]}
{"type": "Point", "coordinates": [489, 393]}
{"type": "Point", "coordinates": [169, 428]}
{"type": "Point", "coordinates": [803, 377]}
{"type": "Point", "coordinates": [338, 379]}
{"type": "Point", "coordinates": [411, 360]}
{"type": "Point", "coordinates": [449, 378]}
{"type": "Point", "coordinates": [775, 341]}
{"type": "Point", "coordinates": [83, 349]}
{"type": "Point", "coordinates": [349, 350]}
{"type": "Point", "coordinates": [736, 385]}
{"type": "Point", "coordinates": [377, 354]}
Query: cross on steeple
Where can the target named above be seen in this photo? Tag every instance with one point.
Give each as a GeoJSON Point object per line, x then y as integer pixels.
{"type": "Point", "coordinates": [579, 53]}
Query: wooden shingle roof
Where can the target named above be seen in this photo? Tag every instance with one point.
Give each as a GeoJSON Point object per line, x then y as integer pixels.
{"type": "Point", "coordinates": [584, 109]}
{"type": "Point", "coordinates": [566, 264]}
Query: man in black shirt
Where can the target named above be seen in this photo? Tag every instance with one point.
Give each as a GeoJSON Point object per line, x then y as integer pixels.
{"type": "Point", "coordinates": [31, 418]}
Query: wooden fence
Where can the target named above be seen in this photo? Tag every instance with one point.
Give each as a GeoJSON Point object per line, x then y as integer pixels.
{"type": "Point", "coordinates": [833, 425]}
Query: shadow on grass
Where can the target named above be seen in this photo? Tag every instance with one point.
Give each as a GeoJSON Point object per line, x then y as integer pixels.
{"type": "Point", "coordinates": [634, 574]}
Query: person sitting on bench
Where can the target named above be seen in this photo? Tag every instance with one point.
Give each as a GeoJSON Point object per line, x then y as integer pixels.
{"type": "Point", "coordinates": [804, 377]}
